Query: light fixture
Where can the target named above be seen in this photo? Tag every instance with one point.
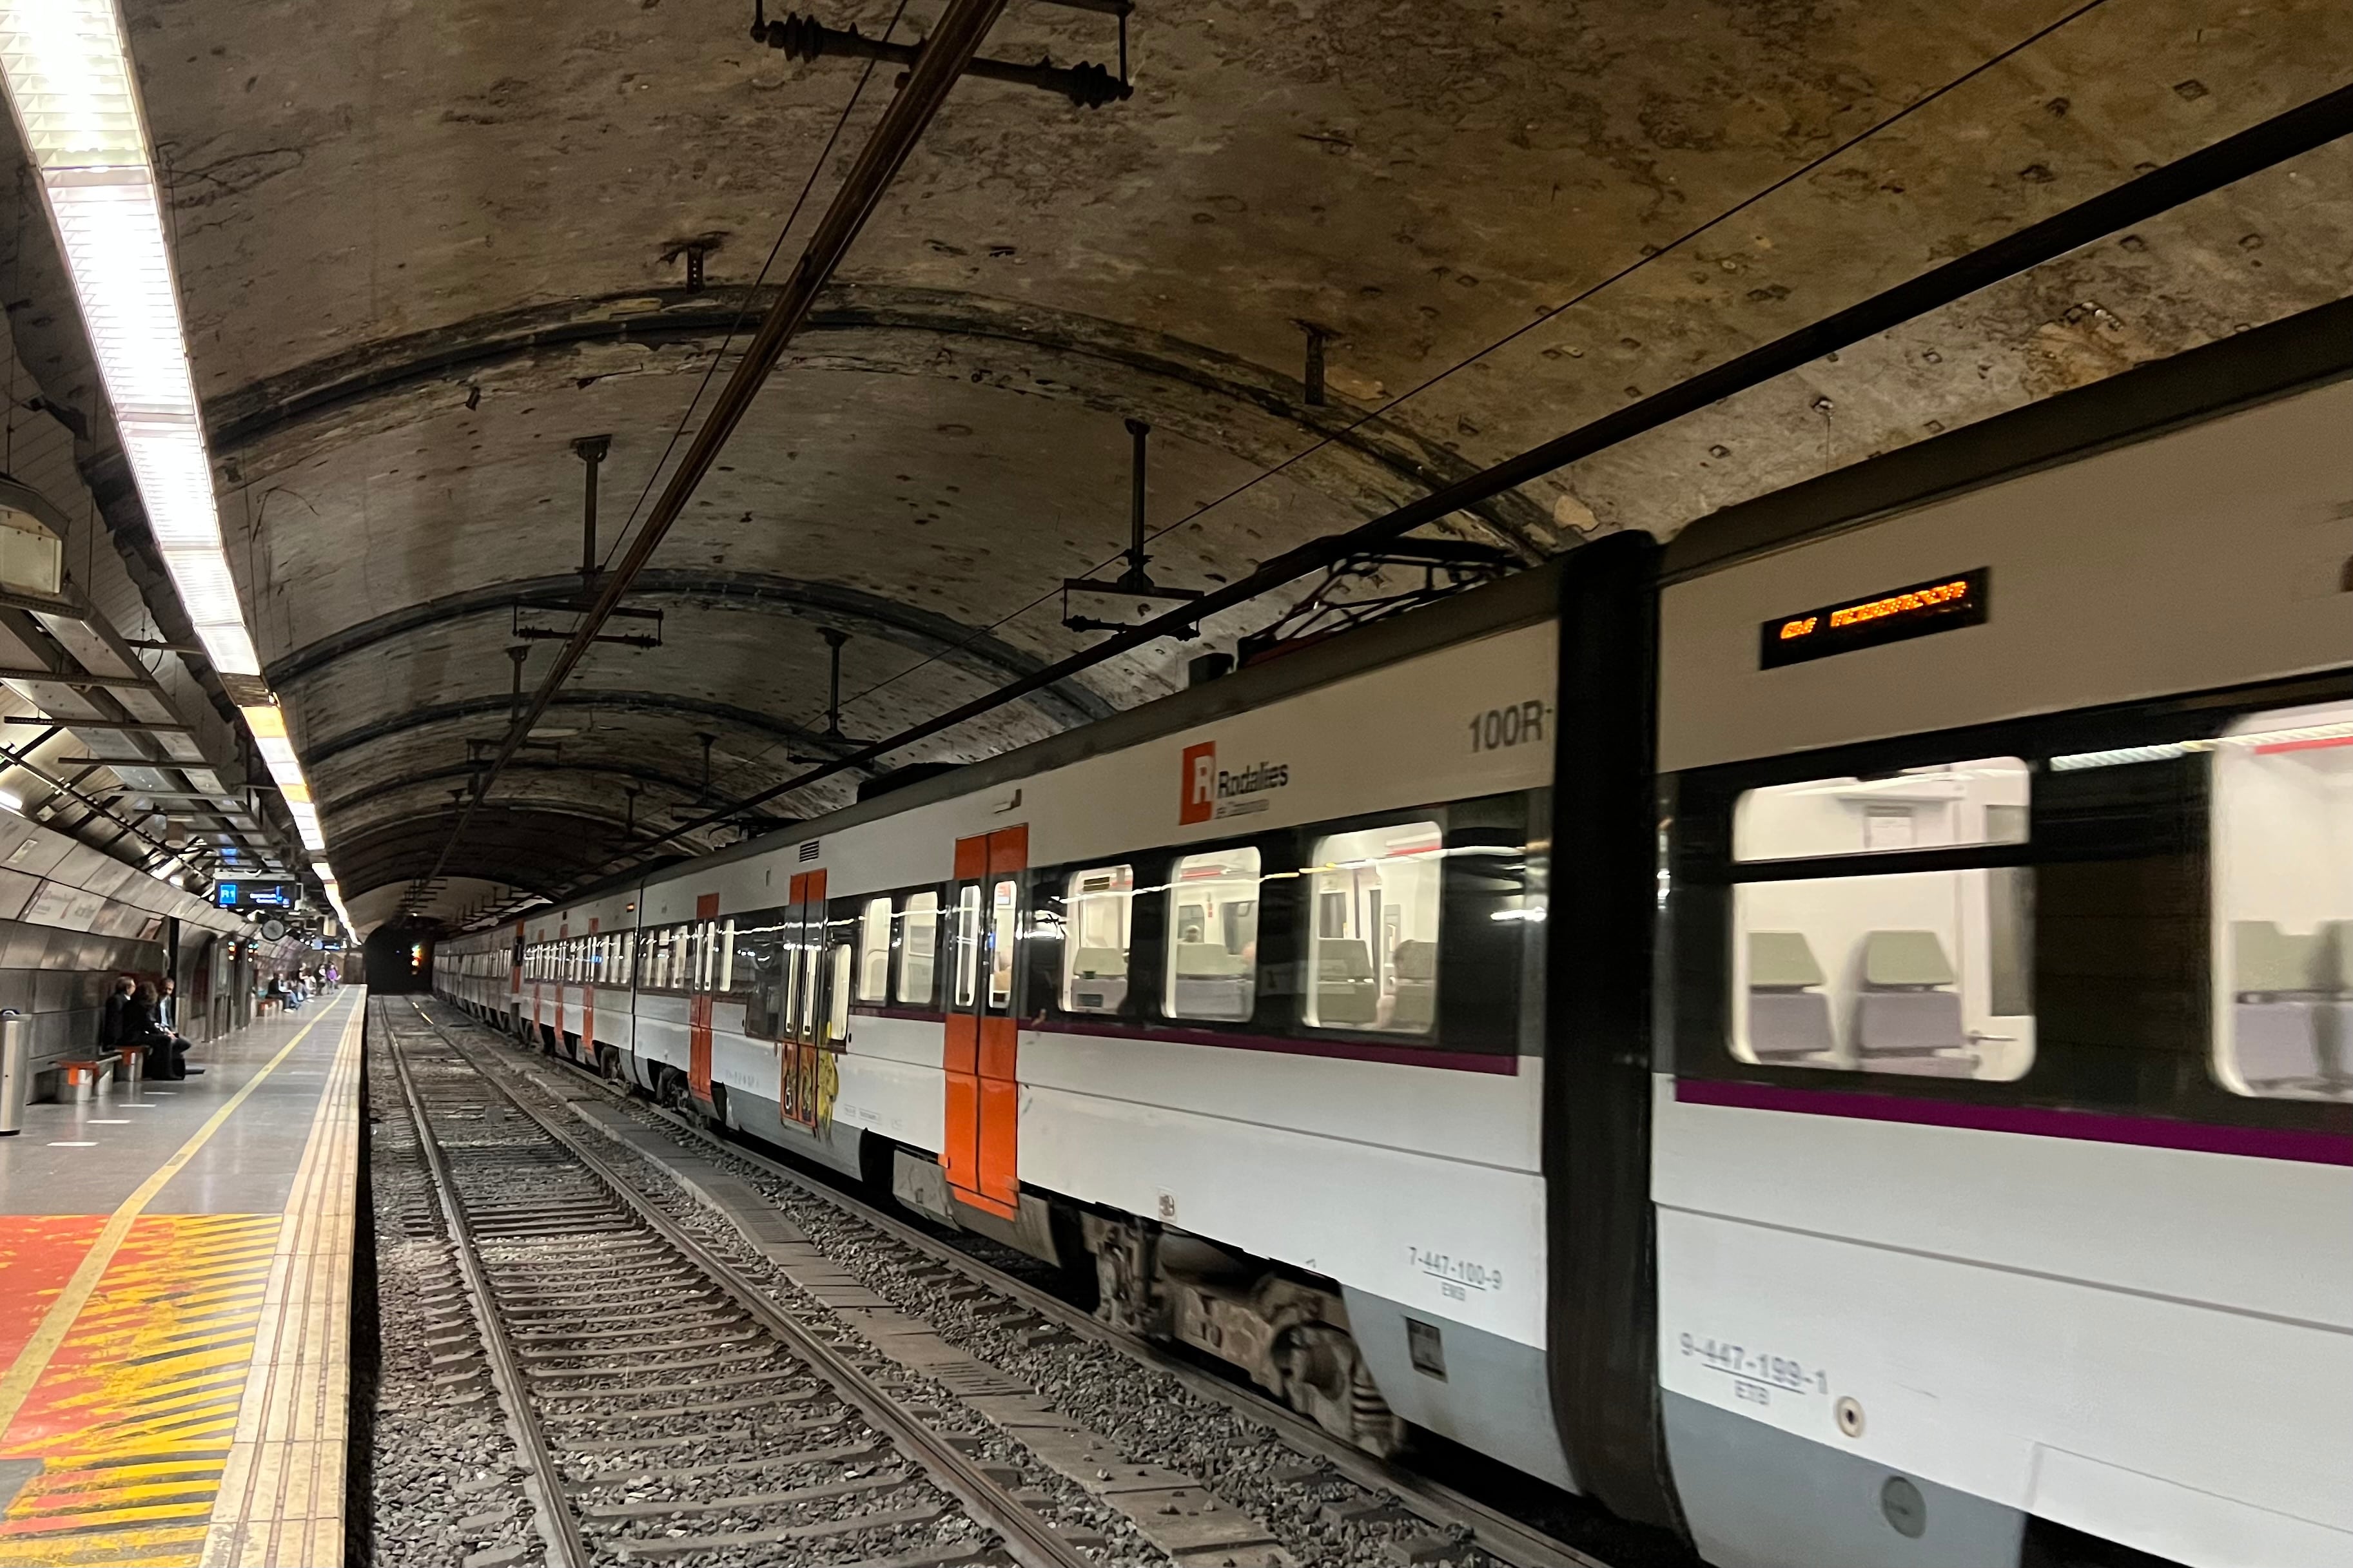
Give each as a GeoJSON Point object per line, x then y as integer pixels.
{"type": "Point", "coordinates": [74, 91]}
{"type": "Point", "coordinates": [11, 802]}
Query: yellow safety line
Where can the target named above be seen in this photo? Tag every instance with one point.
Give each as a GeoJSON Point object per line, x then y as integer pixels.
{"type": "Point", "coordinates": [59, 1320]}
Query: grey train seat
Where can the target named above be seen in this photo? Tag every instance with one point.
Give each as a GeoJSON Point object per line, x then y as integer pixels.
{"type": "Point", "coordinates": [1788, 1015]}
{"type": "Point", "coordinates": [1099, 979]}
{"type": "Point", "coordinates": [1346, 991]}
{"type": "Point", "coordinates": [1210, 981]}
{"type": "Point", "coordinates": [1908, 1014]}
{"type": "Point", "coordinates": [1415, 967]}
{"type": "Point", "coordinates": [2291, 1004]}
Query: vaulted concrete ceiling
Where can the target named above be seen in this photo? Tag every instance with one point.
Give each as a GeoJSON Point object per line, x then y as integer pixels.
{"type": "Point", "coordinates": [426, 244]}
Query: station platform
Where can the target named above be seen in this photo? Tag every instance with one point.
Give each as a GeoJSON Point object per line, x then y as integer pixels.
{"type": "Point", "coordinates": [175, 1267]}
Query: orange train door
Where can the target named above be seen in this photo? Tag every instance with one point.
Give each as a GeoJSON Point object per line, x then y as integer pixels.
{"type": "Point", "coordinates": [698, 1002]}
{"type": "Point", "coordinates": [982, 1157]}
{"type": "Point", "coordinates": [588, 1002]}
{"type": "Point", "coordinates": [800, 1032]}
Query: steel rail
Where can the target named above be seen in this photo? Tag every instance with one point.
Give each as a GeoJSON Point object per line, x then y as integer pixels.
{"type": "Point", "coordinates": [947, 49]}
{"type": "Point", "coordinates": [2261, 146]}
{"type": "Point", "coordinates": [558, 1526]}
{"type": "Point", "coordinates": [1029, 1540]}
{"type": "Point", "coordinates": [1497, 1533]}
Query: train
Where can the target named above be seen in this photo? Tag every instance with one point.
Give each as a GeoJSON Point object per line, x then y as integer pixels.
{"type": "Point", "coordinates": [1830, 1033]}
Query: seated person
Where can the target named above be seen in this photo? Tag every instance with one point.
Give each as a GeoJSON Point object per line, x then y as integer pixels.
{"type": "Point", "coordinates": [140, 1029]}
{"type": "Point", "coordinates": [167, 1019]}
{"type": "Point", "coordinates": [109, 1018]}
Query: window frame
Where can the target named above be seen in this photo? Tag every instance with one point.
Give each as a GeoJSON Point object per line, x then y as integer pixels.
{"type": "Point", "coordinates": [902, 918]}
{"type": "Point", "coordinates": [2170, 1071]}
{"type": "Point", "coordinates": [868, 956]}
{"type": "Point", "coordinates": [1957, 859]}
{"type": "Point", "coordinates": [1058, 886]}
{"type": "Point", "coordinates": [1312, 913]}
{"type": "Point", "coordinates": [1273, 866]}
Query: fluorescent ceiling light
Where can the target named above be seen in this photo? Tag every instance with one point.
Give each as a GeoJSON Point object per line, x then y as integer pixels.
{"type": "Point", "coordinates": [72, 85]}
{"type": "Point", "coordinates": [11, 802]}
{"type": "Point", "coordinates": [74, 89]}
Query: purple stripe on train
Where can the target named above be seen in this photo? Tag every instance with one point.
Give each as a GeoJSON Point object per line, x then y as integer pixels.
{"type": "Point", "coordinates": [2034, 1120]}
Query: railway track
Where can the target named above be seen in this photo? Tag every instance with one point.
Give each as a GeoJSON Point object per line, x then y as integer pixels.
{"type": "Point", "coordinates": [1445, 1508]}
{"type": "Point", "coordinates": [664, 1407]}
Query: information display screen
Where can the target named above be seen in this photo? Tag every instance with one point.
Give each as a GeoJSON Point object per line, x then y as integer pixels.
{"type": "Point", "coordinates": [244, 895]}
{"type": "Point", "coordinates": [1939, 605]}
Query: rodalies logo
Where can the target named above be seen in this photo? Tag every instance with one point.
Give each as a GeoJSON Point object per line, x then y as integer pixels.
{"type": "Point", "coordinates": [1209, 792]}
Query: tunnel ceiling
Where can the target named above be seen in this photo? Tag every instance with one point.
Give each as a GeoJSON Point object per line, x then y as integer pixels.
{"type": "Point", "coordinates": [424, 246]}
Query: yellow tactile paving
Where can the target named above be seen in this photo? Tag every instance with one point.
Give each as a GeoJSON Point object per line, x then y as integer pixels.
{"type": "Point", "coordinates": [280, 1502]}
{"type": "Point", "coordinates": [136, 1411]}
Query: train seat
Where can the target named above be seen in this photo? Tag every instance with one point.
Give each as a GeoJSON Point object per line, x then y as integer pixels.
{"type": "Point", "coordinates": [1415, 1005]}
{"type": "Point", "coordinates": [1099, 979]}
{"type": "Point", "coordinates": [1346, 991]}
{"type": "Point", "coordinates": [2281, 984]}
{"type": "Point", "coordinates": [1210, 981]}
{"type": "Point", "coordinates": [1788, 1015]}
{"type": "Point", "coordinates": [1908, 1015]}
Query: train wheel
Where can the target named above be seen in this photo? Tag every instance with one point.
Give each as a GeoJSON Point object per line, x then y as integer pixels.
{"type": "Point", "coordinates": [1325, 1378]}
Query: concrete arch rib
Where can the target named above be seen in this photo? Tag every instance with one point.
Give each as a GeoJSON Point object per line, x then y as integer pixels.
{"type": "Point", "coordinates": [317, 754]}
{"type": "Point", "coordinates": [1372, 462]}
{"type": "Point", "coordinates": [923, 631]}
{"type": "Point", "coordinates": [532, 848]}
{"type": "Point", "coordinates": [651, 778]}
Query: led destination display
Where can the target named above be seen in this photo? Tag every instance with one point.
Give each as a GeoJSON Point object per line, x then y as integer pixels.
{"type": "Point", "coordinates": [1939, 605]}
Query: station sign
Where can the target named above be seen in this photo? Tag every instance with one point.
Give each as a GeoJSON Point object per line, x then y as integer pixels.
{"type": "Point", "coordinates": [245, 895]}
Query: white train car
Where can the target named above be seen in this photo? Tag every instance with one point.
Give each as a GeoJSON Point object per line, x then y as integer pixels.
{"type": "Point", "coordinates": [2004, 1165]}
{"type": "Point", "coordinates": [1834, 1037]}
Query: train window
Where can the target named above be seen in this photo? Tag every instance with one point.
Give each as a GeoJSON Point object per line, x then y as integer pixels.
{"type": "Point", "coordinates": [1373, 944]}
{"type": "Point", "coordinates": [967, 946]}
{"type": "Point", "coordinates": [837, 989]}
{"type": "Point", "coordinates": [2282, 904]}
{"type": "Point", "coordinates": [1921, 972]}
{"type": "Point", "coordinates": [1002, 926]}
{"type": "Point", "coordinates": [723, 982]}
{"type": "Point", "coordinates": [788, 975]}
{"type": "Point", "coordinates": [1213, 936]}
{"type": "Point", "coordinates": [874, 951]}
{"type": "Point", "coordinates": [917, 948]}
{"type": "Point", "coordinates": [758, 967]}
{"type": "Point", "coordinates": [1098, 935]}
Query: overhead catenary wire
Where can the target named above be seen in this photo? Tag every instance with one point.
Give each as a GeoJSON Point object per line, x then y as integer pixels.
{"type": "Point", "coordinates": [743, 304]}
{"type": "Point", "coordinates": [2263, 146]}
{"type": "Point", "coordinates": [1543, 318]}
{"type": "Point", "coordinates": [947, 49]}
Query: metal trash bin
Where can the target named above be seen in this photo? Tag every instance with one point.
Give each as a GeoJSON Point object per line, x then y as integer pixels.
{"type": "Point", "coordinates": [16, 1071]}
